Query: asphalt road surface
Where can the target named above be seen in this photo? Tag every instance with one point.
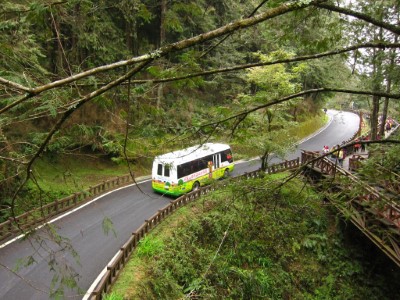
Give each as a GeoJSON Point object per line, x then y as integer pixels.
{"type": "Point", "coordinates": [25, 263]}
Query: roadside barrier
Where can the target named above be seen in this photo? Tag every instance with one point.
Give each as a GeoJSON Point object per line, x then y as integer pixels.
{"type": "Point", "coordinates": [114, 268]}
{"type": "Point", "coordinates": [29, 220]}
{"type": "Point", "coordinates": [371, 211]}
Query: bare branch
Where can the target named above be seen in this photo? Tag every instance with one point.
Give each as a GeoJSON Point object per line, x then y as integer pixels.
{"type": "Point", "coordinates": [15, 85]}
{"type": "Point", "coordinates": [65, 116]}
{"type": "Point", "coordinates": [367, 18]}
{"type": "Point", "coordinates": [232, 27]}
{"type": "Point", "coordinates": [28, 282]}
{"type": "Point", "coordinates": [301, 94]}
{"type": "Point", "coordinates": [380, 45]}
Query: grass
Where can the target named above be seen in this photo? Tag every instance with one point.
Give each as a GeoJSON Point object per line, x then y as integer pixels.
{"type": "Point", "coordinates": [280, 244]}
{"type": "Point", "coordinates": [308, 127]}
{"type": "Point", "coordinates": [149, 248]}
{"type": "Point", "coordinates": [67, 174]}
{"type": "Point", "coordinates": [297, 133]}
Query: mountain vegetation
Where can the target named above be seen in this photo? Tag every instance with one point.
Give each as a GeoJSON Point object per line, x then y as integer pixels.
{"type": "Point", "coordinates": [91, 89]}
{"type": "Point", "coordinates": [262, 241]}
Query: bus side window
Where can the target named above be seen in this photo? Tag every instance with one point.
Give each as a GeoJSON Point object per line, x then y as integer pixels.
{"type": "Point", "coordinates": [202, 164]}
{"type": "Point", "coordinates": [183, 170]}
{"type": "Point", "coordinates": [159, 169]}
{"type": "Point", "coordinates": [195, 166]}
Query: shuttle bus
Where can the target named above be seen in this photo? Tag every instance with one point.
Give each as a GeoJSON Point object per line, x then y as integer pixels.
{"type": "Point", "coordinates": [182, 171]}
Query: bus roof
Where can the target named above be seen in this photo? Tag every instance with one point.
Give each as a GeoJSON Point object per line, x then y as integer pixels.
{"type": "Point", "coordinates": [188, 154]}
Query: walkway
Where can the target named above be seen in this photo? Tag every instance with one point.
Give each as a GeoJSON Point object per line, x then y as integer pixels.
{"type": "Point", "coordinates": [369, 208]}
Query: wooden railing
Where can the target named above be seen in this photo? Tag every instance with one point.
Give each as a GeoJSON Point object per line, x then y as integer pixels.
{"type": "Point", "coordinates": [113, 269]}
{"type": "Point", "coordinates": [283, 166]}
{"type": "Point", "coordinates": [120, 260]}
{"type": "Point", "coordinates": [377, 216]}
{"type": "Point", "coordinates": [322, 165]}
{"type": "Point", "coordinates": [31, 219]}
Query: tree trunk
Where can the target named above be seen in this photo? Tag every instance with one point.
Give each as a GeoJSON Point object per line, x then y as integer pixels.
{"type": "Point", "coordinates": [374, 117]}
{"type": "Point", "coordinates": [264, 161]}
{"type": "Point", "coordinates": [159, 95]}
{"type": "Point", "coordinates": [57, 55]}
{"type": "Point", "coordinates": [377, 82]}
{"type": "Point", "coordinates": [388, 88]}
{"type": "Point", "coordinates": [163, 11]}
{"type": "Point", "coordinates": [131, 36]}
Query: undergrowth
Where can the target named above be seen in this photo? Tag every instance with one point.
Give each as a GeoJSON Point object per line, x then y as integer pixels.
{"type": "Point", "coordinates": [257, 240]}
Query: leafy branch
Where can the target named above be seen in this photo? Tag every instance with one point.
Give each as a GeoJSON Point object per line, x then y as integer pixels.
{"type": "Point", "coordinates": [243, 114]}
{"type": "Point", "coordinates": [232, 27]}
{"type": "Point", "coordinates": [380, 45]}
{"type": "Point", "coordinates": [61, 121]}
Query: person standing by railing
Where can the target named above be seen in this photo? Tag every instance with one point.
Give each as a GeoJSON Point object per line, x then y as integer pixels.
{"type": "Point", "coordinates": [341, 157]}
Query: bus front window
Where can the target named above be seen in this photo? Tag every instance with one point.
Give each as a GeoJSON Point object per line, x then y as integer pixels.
{"type": "Point", "coordinates": [227, 156]}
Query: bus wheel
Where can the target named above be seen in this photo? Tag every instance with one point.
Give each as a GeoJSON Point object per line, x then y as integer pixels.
{"type": "Point", "coordinates": [227, 173]}
{"type": "Point", "coordinates": [195, 186]}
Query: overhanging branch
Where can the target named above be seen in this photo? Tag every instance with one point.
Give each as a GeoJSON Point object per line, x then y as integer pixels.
{"type": "Point", "coordinates": [379, 45]}
{"type": "Point", "coordinates": [243, 114]}
{"type": "Point", "coordinates": [232, 27]}
{"type": "Point", "coordinates": [361, 16]}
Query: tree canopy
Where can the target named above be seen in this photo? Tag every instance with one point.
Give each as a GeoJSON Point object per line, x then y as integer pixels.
{"type": "Point", "coordinates": [123, 77]}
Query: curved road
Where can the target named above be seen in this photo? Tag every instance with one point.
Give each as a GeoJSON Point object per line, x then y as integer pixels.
{"type": "Point", "coordinates": [126, 208]}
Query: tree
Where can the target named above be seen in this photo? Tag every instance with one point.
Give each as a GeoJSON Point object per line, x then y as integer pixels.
{"type": "Point", "coordinates": [87, 66]}
{"type": "Point", "coordinates": [376, 62]}
{"type": "Point", "coordinates": [267, 131]}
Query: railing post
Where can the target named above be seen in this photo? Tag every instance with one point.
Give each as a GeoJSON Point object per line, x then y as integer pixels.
{"type": "Point", "coordinates": [56, 205]}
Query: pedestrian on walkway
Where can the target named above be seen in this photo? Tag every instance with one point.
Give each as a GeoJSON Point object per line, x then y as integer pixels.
{"type": "Point", "coordinates": [357, 146]}
{"type": "Point", "coordinates": [334, 154]}
{"type": "Point", "coordinates": [341, 157]}
{"type": "Point", "coordinates": [363, 146]}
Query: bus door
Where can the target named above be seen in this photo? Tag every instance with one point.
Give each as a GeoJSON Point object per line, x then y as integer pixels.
{"type": "Point", "coordinates": [216, 161]}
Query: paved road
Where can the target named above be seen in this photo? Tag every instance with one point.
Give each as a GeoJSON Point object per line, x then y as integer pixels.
{"type": "Point", "coordinates": [127, 209]}
{"type": "Point", "coordinates": [341, 127]}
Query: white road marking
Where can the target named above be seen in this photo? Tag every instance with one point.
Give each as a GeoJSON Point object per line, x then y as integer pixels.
{"type": "Point", "coordinates": [97, 280]}
{"type": "Point", "coordinates": [70, 212]}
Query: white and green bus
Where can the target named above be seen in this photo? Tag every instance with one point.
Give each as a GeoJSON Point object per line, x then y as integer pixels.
{"type": "Point", "coordinates": [182, 171]}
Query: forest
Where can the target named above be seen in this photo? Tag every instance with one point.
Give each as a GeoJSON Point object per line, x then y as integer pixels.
{"type": "Point", "coordinates": [93, 89]}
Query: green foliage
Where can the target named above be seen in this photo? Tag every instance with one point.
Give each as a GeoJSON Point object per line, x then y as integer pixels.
{"type": "Point", "coordinates": [113, 296]}
{"type": "Point", "coordinates": [255, 241]}
{"type": "Point", "coordinates": [150, 247]}
{"type": "Point", "coordinates": [43, 42]}
{"type": "Point", "coordinates": [382, 167]}
{"type": "Point", "coordinates": [275, 80]}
